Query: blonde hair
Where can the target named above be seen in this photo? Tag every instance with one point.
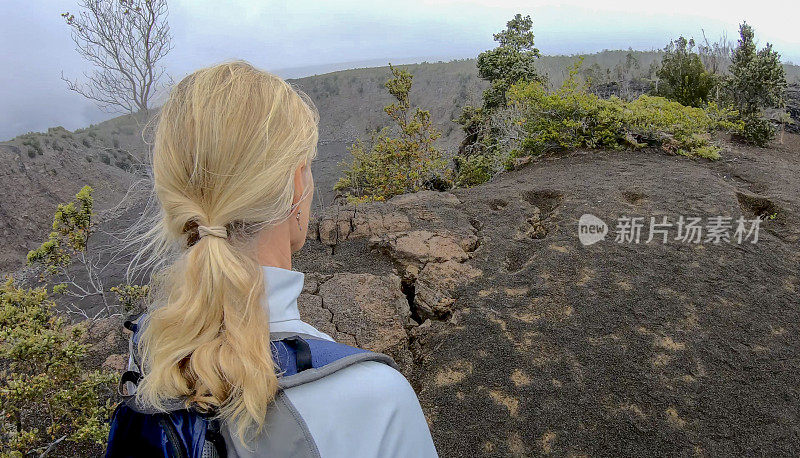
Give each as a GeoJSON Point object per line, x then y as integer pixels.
{"type": "Point", "coordinates": [227, 143]}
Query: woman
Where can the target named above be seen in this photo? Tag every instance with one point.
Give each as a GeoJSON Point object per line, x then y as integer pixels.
{"type": "Point", "coordinates": [231, 166]}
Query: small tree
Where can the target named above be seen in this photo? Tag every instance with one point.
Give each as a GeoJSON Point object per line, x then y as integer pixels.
{"type": "Point", "coordinates": [512, 61]}
{"type": "Point", "coordinates": [131, 297]}
{"type": "Point", "coordinates": [72, 226]}
{"type": "Point", "coordinates": [682, 76]}
{"type": "Point", "coordinates": [757, 81]}
{"type": "Point", "coordinates": [396, 165]}
{"type": "Point", "coordinates": [126, 41]}
{"type": "Point", "coordinates": [68, 243]}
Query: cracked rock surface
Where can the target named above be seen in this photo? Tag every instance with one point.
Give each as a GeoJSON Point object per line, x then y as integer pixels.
{"type": "Point", "coordinates": [363, 310]}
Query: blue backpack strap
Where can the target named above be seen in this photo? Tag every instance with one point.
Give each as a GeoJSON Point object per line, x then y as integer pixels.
{"type": "Point", "coordinates": [302, 360]}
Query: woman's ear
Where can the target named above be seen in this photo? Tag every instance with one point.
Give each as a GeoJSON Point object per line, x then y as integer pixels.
{"type": "Point", "coordinates": [299, 182]}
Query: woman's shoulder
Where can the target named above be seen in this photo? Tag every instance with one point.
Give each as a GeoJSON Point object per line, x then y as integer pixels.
{"type": "Point", "coordinates": [364, 382]}
{"type": "Point", "coordinates": [369, 400]}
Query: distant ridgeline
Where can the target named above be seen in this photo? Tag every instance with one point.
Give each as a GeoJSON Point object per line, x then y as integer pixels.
{"type": "Point", "coordinates": [351, 102]}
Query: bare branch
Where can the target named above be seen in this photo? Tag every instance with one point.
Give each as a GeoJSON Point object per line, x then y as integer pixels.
{"type": "Point", "coordinates": [51, 446]}
{"type": "Point", "coordinates": [125, 40]}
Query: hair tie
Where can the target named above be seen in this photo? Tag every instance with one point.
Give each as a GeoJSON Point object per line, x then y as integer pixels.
{"type": "Point", "coordinates": [216, 231]}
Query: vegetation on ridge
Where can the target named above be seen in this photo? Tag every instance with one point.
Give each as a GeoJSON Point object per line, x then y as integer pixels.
{"type": "Point", "coordinates": [393, 165]}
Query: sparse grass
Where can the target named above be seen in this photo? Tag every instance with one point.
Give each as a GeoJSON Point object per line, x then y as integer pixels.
{"type": "Point", "coordinates": [706, 152]}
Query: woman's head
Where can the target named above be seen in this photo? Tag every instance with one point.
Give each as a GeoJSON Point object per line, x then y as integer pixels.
{"type": "Point", "coordinates": [228, 143]}
{"type": "Point", "coordinates": [232, 150]}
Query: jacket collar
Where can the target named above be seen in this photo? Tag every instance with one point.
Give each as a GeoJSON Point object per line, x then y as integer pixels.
{"type": "Point", "coordinates": [283, 287]}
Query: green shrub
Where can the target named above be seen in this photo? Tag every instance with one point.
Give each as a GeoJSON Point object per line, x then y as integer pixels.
{"type": "Point", "coordinates": [566, 119]}
{"type": "Point", "coordinates": [571, 117]}
{"type": "Point", "coordinates": [33, 146]}
{"type": "Point", "coordinates": [72, 226]}
{"type": "Point", "coordinates": [396, 165]}
{"type": "Point", "coordinates": [86, 142]}
{"type": "Point", "coordinates": [474, 170]}
{"type": "Point", "coordinates": [58, 130]}
{"type": "Point", "coordinates": [67, 243]}
{"type": "Point", "coordinates": [105, 159]}
{"type": "Point", "coordinates": [474, 122]}
{"type": "Point", "coordinates": [31, 153]}
{"type": "Point", "coordinates": [674, 127]}
{"type": "Point", "coordinates": [707, 152]}
{"type": "Point", "coordinates": [47, 395]}
{"type": "Point", "coordinates": [683, 77]}
{"type": "Point", "coordinates": [132, 298]}
{"type": "Point", "coordinates": [755, 130]}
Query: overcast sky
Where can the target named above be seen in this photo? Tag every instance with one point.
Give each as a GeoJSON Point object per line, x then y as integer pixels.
{"type": "Point", "coordinates": [300, 37]}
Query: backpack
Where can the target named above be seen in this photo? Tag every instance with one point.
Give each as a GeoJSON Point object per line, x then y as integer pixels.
{"type": "Point", "coordinates": [181, 432]}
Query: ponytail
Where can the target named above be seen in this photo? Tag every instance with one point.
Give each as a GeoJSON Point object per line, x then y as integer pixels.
{"type": "Point", "coordinates": [210, 342]}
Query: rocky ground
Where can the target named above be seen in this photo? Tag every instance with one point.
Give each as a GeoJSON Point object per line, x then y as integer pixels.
{"type": "Point", "coordinates": [522, 341]}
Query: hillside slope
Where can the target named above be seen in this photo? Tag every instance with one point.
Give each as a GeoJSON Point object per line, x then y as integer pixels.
{"type": "Point", "coordinates": [41, 170]}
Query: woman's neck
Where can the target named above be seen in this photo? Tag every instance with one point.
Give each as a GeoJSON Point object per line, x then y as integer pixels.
{"type": "Point", "coordinates": [273, 247]}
